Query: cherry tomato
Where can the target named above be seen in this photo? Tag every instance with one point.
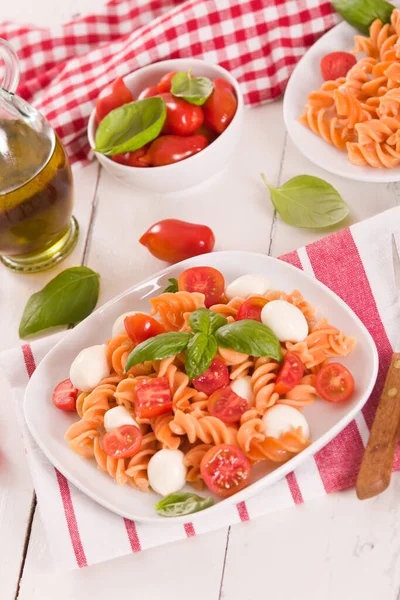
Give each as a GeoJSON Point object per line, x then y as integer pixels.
{"type": "Point", "coordinates": [219, 82]}
{"type": "Point", "coordinates": [208, 133]}
{"type": "Point", "coordinates": [183, 118]}
{"type": "Point", "coordinates": [225, 469]}
{"type": "Point", "coordinates": [149, 92]}
{"type": "Point", "coordinates": [337, 64]}
{"type": "Point", "coordinates": [114, 95]}
{"type": "Point", "coordinates": [65, 395]}
{"type": "Point", "coordinates": [227, 405]}
{"type": "Point", "coordinates": [251, 309]}
{"type": "Point", "coordinates": [206, 280]}
{"type": "Point", "coordinates": [334, 383]}
{"type": "Point", "coordinates": [122, 442]}
{"type": "Point", "coordinates": [168, 149]}
{"type": "Point", "coordinates": [292, 370]}
{"type": "Point", "coordinates": [153, 398]}
{"type": "Point", "coordinates": [141, 327]}
{"type": "Point", "coordinates": [220, 108]}
{"type": "Point", "coordinates": [216, 376]}
{"type": "Point", "coordinates": [165, 82]}
{"type": "Point", "coordinates": [173, 240]}
{"type": "Point", "coordinates": [132, 159]}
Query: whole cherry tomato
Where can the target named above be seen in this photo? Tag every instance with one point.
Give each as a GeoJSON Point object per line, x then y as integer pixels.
{"type": "Point", "coordinates": [208, 133]}
{"type": "Point", "coordinates": [183, 118]}
{"type": "Point", "coordinates": [337, 64]}
{"type": "Point", "coordinates": [149, 92]}
{"type": "Point", "coordinates": [141, 327]}
{"type": "Point", "coordinates": [173, 240]}
{"type": "Point", "coordinates": [132, 159]}
{"type": "Point", "coordinates": [114, 95]}
{"type": "Point", "coordinates": [219, 82]}
{"type": "Point", "coordinates": [168, 149]}
{"type": "Point", "coordinates": [221, 106]}
{"type": "Point", "coordinates": [165, 82]}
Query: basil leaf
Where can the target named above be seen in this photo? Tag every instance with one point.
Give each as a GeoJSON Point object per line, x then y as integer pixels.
{"type": "Point", "coordinates": [67, 299]}
{"type": "Point", "coordinates": [176, 505]}
{"type": "Point", "coordinates": [307, 201]}
{"type": "Point", "coordinates": [199, 354]}
{"type": "Point", "coordinates": [206, 321]}
{"type": "Point", "coordinates": [195, 90]}
{"type": "Point", "coordinates": [249, 337]}
{"type": "Point", "coordinates": [158, 347]}
{"type": "Point", "coordinates": [130, 126]}
{"type": "Point", "coordinates": [173, 288]}
{"type": "Point", "coordinates": [361, 13]}
{"type": "Point", "coordinates": [216, 321]}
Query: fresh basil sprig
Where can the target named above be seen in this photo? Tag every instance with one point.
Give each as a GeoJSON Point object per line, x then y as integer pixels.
{"type": "Point", "coordinates": [249, 337]}
{"type": "Point", "coordinates": [307, 201]}
{"type": "Point", "coordinates": [158, 347]}
{"type": "Point", "coordinates": [131, 126]}
{"type": "Point", "coordinates": [67, 299]}
{"type": "Point", "coordinates": [199, 354]}
{"type": "Point", "coordinates": [361, 13]}
{"type": "Point", "coordinates": [173, 287]}
{"type": "Point", "coordinates": [177, 505]}
{"type": "Point", "coordinates": [206, 321]}
{"type": "Point", "coordinates": [195, 90]}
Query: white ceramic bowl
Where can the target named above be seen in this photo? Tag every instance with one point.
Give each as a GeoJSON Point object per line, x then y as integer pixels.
{"type": "Point", "coordinates": [195, 169]}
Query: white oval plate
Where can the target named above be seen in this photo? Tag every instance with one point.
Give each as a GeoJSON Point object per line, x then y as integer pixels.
{"type": "Point", "coordinates": [48, 425]}
{"type": "Point", "coordinates": [307, 77]}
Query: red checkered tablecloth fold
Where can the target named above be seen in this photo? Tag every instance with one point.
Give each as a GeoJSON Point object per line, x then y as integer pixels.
{"type": "Point", "coordinates": [64, 68]}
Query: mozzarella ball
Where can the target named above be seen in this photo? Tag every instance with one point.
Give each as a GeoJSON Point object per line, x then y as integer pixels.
{"type": "Point", "coordinates": [118, 416]}
{"type": "Point", "coordinates": [242, 387]}
{"type": "Point", "coordinates": [89, 368]}
{"type": "Point", "coordinates": [280, 418]}
{"type": "Point", "coordinates": [286, 321]}
{"type": "Point", "coordinates": [247, 284]}
{"type": "Point", "coordinates": [119, 326]}
{"type": "Point", "coordinates": [166, 471]}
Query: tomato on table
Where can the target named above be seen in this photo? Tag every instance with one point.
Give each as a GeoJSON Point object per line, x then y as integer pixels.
{"type": "Point", "coordinates": [141, 327]}
{"type": "Point", "coordinates": [225, 470]}
{"type": "Point", "coordinates": [205, 280]}
{"type": "Point", "coordinates": [122, 442]}
{"type": "Point", "coordinates": [182, 118]}
{"type": "Point", "coordinates": [336, 64]}
{"type": "Point", "coordinates": [114, 95]}
{"type": "Point", "coordinates": [228, 406]}
{"type": "Point", "coordinates": [169, 149]}
{"type": "Point", "coordinates": [149, 92]}
{"type": "Point", "coordinates": [216, 376]}
{"type": "Point", "coordinates": [164, 85]}
{"type": "Point", "coordinates": [173, 240]}
{"type": "Point", "coordinates": [290, 373]}
{"type": "Point", "coordinates": [153, 398]}
{"type": "Point", "coordinates": [132, 159]}
{"type": "Point", "coordinates": [251, 308]}
{"type": "Point", "coordinates": [334, 383]}
{"type": "Point", "coordinates": [220, 108]}
{"type": "Point", "coordinates": [65, 395]}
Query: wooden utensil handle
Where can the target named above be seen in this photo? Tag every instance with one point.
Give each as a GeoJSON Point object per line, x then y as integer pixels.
{"type": "Point", "coordinates": [376, 466]}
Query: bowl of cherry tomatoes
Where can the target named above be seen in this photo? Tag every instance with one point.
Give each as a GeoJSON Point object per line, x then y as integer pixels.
{"type": "Point", "coordinates": [168, 126]}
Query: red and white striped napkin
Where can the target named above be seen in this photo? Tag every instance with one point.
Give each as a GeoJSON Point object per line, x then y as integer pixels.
{"type": "Point", "coordinates": [82, 533]}
{"type": "Point", "coordinates": [64, 68]}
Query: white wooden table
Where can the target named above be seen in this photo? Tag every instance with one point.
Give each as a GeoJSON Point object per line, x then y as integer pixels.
{"type": "Point", "coordinates": [333, 548]}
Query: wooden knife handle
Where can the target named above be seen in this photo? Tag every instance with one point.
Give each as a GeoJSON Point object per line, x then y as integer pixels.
{"type": "Point", "coordinates": [376, 466]}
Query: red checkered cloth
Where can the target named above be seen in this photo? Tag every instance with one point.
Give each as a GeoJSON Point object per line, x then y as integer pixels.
{"type": "Point", "coordinates": [64, 68]}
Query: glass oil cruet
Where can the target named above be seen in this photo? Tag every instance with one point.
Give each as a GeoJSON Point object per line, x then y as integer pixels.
{"type": "Point", "coordinates": [37, 229]}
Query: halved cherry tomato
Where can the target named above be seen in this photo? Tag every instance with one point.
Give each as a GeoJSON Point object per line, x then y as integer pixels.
{"type": "Point", "coordinates": [227, 405]}
{"type": "Point", "coordinates": [337, 64]}
{"type": "Point", "coordinates": [164, 85]}
{"type": "Point", "coordinates": [149, 92]}
{"type": "Point", "coordinates": [141, 327]}
{"type": "Point", "coordinates": [153, 398]}
{"type": "Point", "coordinates": [183, 118]}
{"type": "Point", "coordinates": [173, 240]}
{"type": "Point", "coordinates": [290, 374]}
{"type": "Point", "coordinates": [225, 469]}
{"type": "Point", "coordinates": [114, 95]}
{"type": "Point", "coordinates": [65, 395]}
{"type": "Point", "coordinates": [220, 108]}
{"type": "Point", "coordinates": [251, 308]}
{"type": "Point", "coordinates": [132, 159]}
{"type": "Point", "coordinates": [216, 376]}
{"type": "Point", "coordinates": [334, 383]}
{"type": "Point", "coordinates": [122, 442]}
{"type": "Point", "coordinates": [206, 280]}
{"type": "Point", "coordinates": [168, 149]}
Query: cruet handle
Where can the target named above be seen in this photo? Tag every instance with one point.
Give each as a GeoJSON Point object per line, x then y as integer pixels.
{"type": "Point", "coordinates": [11, 64]}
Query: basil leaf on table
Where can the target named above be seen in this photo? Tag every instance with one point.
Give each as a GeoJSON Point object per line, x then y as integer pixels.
{"type": "Point", "coordinates": [249, 337]}
{"type": "Point", "coordinates": [307, 201]}
{"type": "Point", "coordinates": [199, 354]}
{"type": "Point", "coordinates": [177, 505]}
{"type": "Point", "coordinates": [361, 13]}
{"type": "Point", "coordinates": [195, 90]}
{"type": "Point", "coordinates": [158, 347]}
{"type": "Point", "coordinates": [67, 299]}
{"type": "Point", "coordinates": [130, 126]}
{"type": "Point", "coordinates": [206, 321]}
{"type": "Point", "coordinates": [173, 287]}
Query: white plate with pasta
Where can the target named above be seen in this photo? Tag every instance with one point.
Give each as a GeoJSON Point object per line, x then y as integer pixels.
{"type": "Point", "coordinates": [350, 126]}
{"type": "Point", "coordinates": [137, 420]}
